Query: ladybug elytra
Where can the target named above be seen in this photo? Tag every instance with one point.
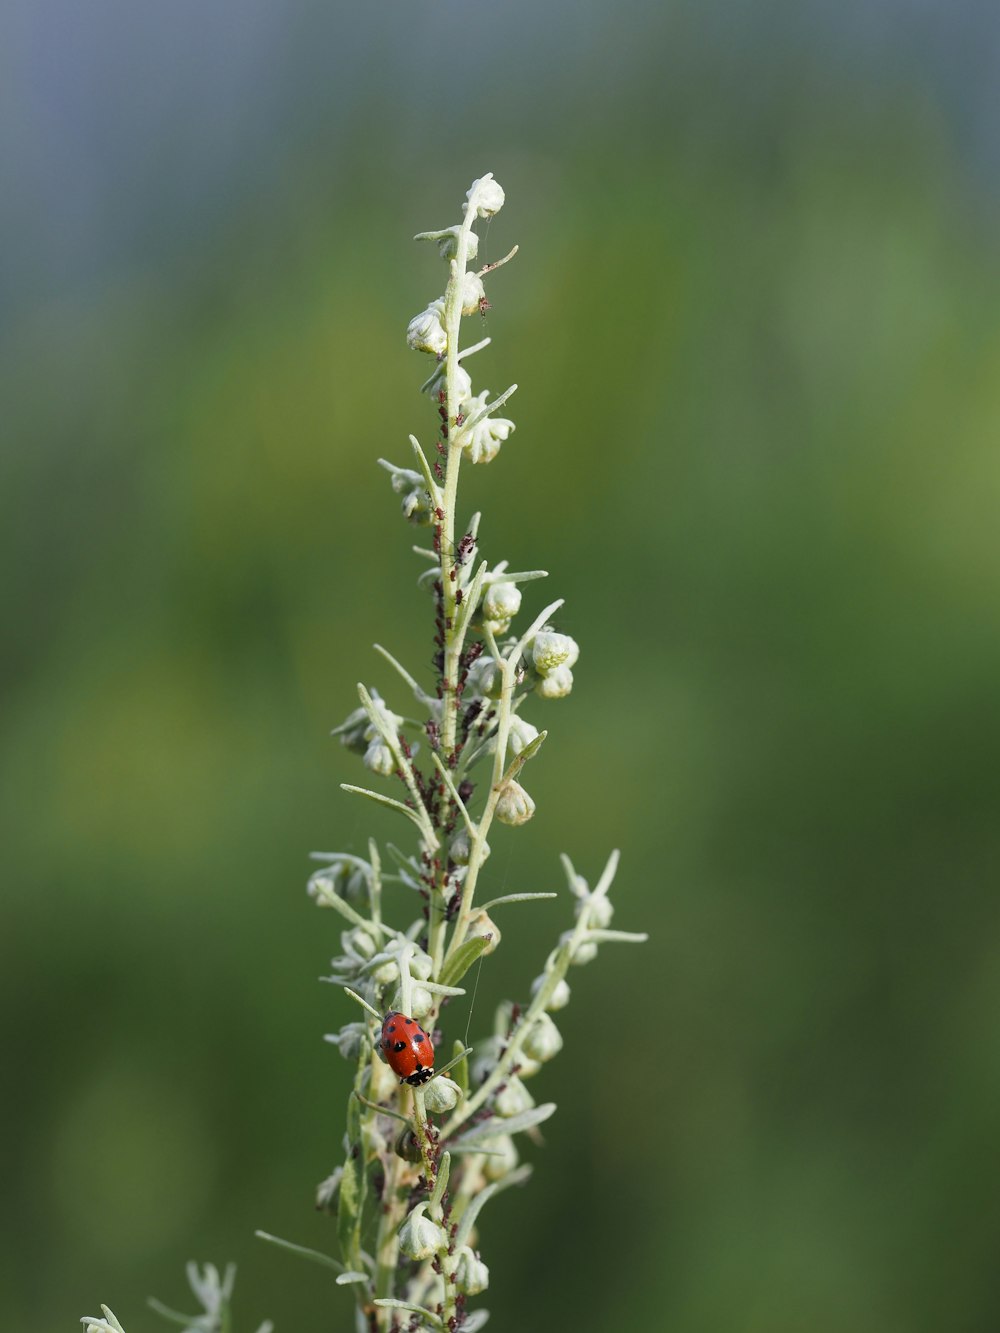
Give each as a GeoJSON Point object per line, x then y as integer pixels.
{"type": "Point", "coordinates": [408, 1050]}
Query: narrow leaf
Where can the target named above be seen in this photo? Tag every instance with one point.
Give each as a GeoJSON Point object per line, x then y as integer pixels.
{"type": "Point", "coordinates": [462, 959]}
{"type": "Point", "coordinates": [345, 1279]}
{"type": "Point", "coordinates": [515, 898]}
{"type": "Point", "coordinates": [617, 936]}
{"type": "Point", "coordinates": [389, 1303]}
{"type": "Point", "coordinates": [497, 1125]}
{"type": "Point", "coordinates": [303, 1251]}
{"type": "Point", "coordinates": [387, 801]}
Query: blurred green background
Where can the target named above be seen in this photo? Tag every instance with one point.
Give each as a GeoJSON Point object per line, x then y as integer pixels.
{"type": "Point", "coordinates": [755, 321]}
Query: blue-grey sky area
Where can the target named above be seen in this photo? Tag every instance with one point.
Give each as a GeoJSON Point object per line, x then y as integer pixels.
{"type": "Point", "coordinates": [130, 132]}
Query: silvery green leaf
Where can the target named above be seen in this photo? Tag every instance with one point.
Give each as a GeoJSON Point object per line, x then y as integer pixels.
{"type": "Point", "coordinates": [302, 1250]}
{"type": "Point", "coordinates": [475, 1321]}
{"type": "Point", "coordinates": [497, 1126]}
{"type": "Point", "coordinates": [345, 1279]}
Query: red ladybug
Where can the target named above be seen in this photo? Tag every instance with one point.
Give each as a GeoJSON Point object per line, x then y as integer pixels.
{"type": "Point", "coordinates": [408, 1050]}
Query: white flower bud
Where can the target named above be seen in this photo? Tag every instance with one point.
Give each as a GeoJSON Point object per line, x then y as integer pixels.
{"type": "Point", "coordinates": [521, 734]}
{"type": "Point", "coordinates": [513, 1098]}
{"type": "Point", "coordinates": [404, 479]}
{"type": "Point", "coordinates": [441, 1094]}
{"type": "Point", "coordinates": [426, 332]}
{"type": "Point", "coordinates": [483, 926]}
{"type": "Point", "coordinates": [514, 805]}
{"type": "Point", "coordinates": [585, 952]}
{"type": "Point", "coordinates": [600, 910]}
{"type": "Point", "coordinates": [348, 1040]}
{"type": "Point", "coordinates": [485, 678]}
{"type": "Point", "coordinates": [416, 507]}
{"type": "Point", "coordinates": [473, 292]}
{"type": "Point", "coordinates": [501, 603]}
{"type": "Point", "coordinates": [559, 998]}
{"type": "Point", "coordinates": [485, 1060]}
{"type": "Point", "coordinates": [556, 685]}
{"type": "Point", "coordinates": [421, 1002]}
{"type": "Point", "coordinates": [378, 758]}
{"type": "Point", "coordinates": [448, 243]}
{"type": "Point", "coordinates": [358, 943]}
{"type": "Point", "coordinates": [471, 1274]}
{"type": "Point", "coordinates": [438, 383]}
{"type": "Point", "coordinates": [487, 195]}
{"type": "Point", "coordinates": [503, 1158]}
{"type": "Point", "coordinates": [544, 1040]}
{"type": "Point", "coordinates": [419, 1237]}
{"type": "Point", "coordinates": [482, 442]}
{"type": "Point", "coordinates": [407, 1146]}
{"type": "Point", "coordinates": [550, 650]}
{"type": "Point", "coordinates": [352, 731]}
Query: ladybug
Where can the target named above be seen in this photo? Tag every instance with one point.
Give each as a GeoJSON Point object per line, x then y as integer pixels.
{"type": "Point", "coordinates": [408, 1050]}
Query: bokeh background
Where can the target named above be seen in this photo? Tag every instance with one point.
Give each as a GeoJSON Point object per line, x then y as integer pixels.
{"type": "Point", "coordinates": [755, 320]}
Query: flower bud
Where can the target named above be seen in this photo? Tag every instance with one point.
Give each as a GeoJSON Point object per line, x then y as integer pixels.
{"type": "Point", "coordinates": [448, 243]}
{"type": "Point", "coordinates": [585, 952]}
{"type": "Point", "coordinates": [426, 332]}
{"type": "Point", "coordinates": [550, 650]}
{"type": "Point", "coordinates": [419, 1237]}
{"type": "Point", "coordinates": [485, 678]}
{"type": "Point", "coordinates": [521, 734]}
{"type": "Point", "coordinates": [441, 1094]}
{"type": "Point", "coordinates": [473, 292]}
{"type": "Point", "coordinates": [600, 910]}
{"type": "Point", "coordinates": [483, 926]}
{"type": "Point", "coordinates": [438, 383]}
{"type": "Point", "coordinates": [471, 1274]}
{"type": "Point", "coordinates": [379, 758]}
{"type": "Point", "coordinates": [514, 805]}
{"type": "Point", "coordinates": [502, 1159]}
{"type": "Point", "coordinates": [421, 1002]}
{"type": "Point", "coordinates": [349, 1039]}
{"type": "Point", "coordinates": [352, 731]}
{"type": "Point", "coordinates": [501, 603]}
{"type": "Point", "coordinates": [487, 195]}
{"type": "Point", "coordinates": [482, 441]}
{"type": "Point", "coordinates": [559, 998]}
{"type": "Point", "coordinates": [485, 1060]}
{"type": "Point", "coordinates": [544, 1040]}
{"type": "Point", "coordinates": [556, 685]}
{"type": "Point", "coordinates": [416, 507]}
{"type": "Point", "coordinates": [513, 1098]}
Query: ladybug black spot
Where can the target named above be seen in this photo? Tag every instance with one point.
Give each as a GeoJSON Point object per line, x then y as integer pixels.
{"type": "Point", "coordinates": [399, 1046]}
{"type": "Point", "coordinates": [409, 1022]}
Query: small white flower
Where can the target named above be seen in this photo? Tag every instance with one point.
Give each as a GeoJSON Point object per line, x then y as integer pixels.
{"type": "Point", "coordinates": [513, 1098]}
{"type": "Point", "coordinates": [514, 805]}
{"type": "Point", "coordinates": [501, 603]}
{"type": "Point", "coordinates": [487, 195]}
{"type": "Point", "coordinates": [585, 951]}
{"type": "Point", "coordinates": [352, 731]}
{"type": "Point", "coordinates": [426, 332]}
{"type": "Point", "coordinates": [559, 998]}
{"type": "Point", "coordinates": [550, 650]}
{"type": "Point", "coordinates": [521, 734]}
{"type": "Point", "coordinates": [556, 684]}
{"type": "Point", "coordinates": [471, 1274]}
{"type": "Point", "coordinates": [481, 442]}
{"type": "Point", "coordinates": [441, 1095]}
{"type": "Point", "coordinates": [419, 1237]}
{"type": "Point", "coordinates": [379, 758]}
{"type": "Point", "coordinates": [485, 678]}
{"type": "Point", "coordinates": [483, 926]}
{"type": "Point", "coordinates": [448, 243]}
{"type": "Point", "coordinates": [421, 1002]}
{"type": "Point", "coordinates": [503, 1157]}
{"type": "Point", "coordinates": [438, 383]}
{"type": "Point", "coordinates": [544, 1040]}
{"type": "Point", "coordinates": [473, 292]}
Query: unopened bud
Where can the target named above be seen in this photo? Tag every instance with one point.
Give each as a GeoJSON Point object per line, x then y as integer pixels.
{"type": "Point", "coordinates": [379, 758]}
{"type": "Point", "coordinates": [419, 1237]}
{"type": "Point", "coordinates": [487, 195]}
{"type": "Point", "coordinates": [556, 685]}
{"type": "Point", "coordinates": [502, 1159]}
{"type": "Point", "coordinates": [513, 1098]}
{"type": "Point", "coordinates": [559, 998]}
{"type": "Point", "coordinates": [441, 1094]}
{"type": "Point", "coordinates": [471, 1274]}
{"type": "Point", "coordinates": [544, 1040]}
{"type": "Point", "coordinates": [426, 332]}
{"type": "Point", "coordinates": [521, 733]}
{"type": "Point", "coordinates": [514, 805]}
{"type": "Point", "coordinates": [501, 603]}
{"type": "Point", "coordinates": [483, 926]}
